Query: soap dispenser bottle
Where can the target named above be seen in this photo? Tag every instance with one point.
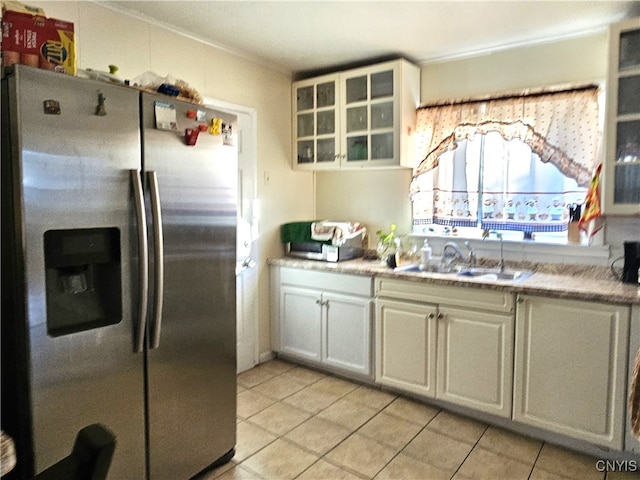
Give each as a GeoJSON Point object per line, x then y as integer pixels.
{"type": "Point", "coordinates": [425, 253]}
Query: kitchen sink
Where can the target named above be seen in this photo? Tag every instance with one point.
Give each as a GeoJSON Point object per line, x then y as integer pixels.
{"type": "Point", "coordinates": [433, 268]}
{"type": "Point", "coordinates": [463, 271]}
{"type": "Point", "coordinates": [409, 268]}
{"type": "Point", "coordinates": [495, 274]}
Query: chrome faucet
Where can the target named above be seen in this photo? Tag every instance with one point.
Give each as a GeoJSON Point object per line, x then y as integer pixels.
{"type": "Point", "coordinates": [470, 258]}
{"type": "Point", "coordinates": [485, 234]}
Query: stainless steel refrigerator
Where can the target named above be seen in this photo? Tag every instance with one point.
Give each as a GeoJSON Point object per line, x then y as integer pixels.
{"type": "Point", "coordinates": [118, 275]}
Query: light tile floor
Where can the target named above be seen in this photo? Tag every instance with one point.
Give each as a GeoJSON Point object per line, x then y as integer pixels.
{"type": "Point", "coordinates": [298, 423]}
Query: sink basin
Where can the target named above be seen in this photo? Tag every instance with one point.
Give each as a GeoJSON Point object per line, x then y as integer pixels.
{"type": "Point", "coordinates": [408, 268]}
{"type": "Point", "coordinates": [495, 274]}
{"type": "Point", "coordinates": [476, 272]}
{"type": "Point", "coordinates": [434, 268]}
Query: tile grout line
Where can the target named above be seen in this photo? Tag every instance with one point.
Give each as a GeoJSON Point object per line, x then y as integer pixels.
{"type": "Point", "coordinates": [533, 467]}
{"type": "Point", "coordinates": [470, 451]}
{"type": "Point", "coordinates": [403, 448]}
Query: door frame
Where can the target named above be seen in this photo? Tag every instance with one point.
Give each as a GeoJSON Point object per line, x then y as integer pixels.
{"type": "Point", "coordinates": [251, 139]}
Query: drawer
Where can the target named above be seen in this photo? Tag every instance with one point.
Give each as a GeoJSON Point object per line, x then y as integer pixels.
{"type": "Point", "coordinates": [468, 297]}
{"type": "Point", "coordinates": [337, 282]}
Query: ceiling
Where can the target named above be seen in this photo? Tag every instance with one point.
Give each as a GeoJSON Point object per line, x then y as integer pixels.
{"type": "Point", "coordinates": [311, 36]}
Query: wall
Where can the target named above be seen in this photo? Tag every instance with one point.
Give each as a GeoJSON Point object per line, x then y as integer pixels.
{"type": "Point", "coordinates": [577, 60]}
{"type": "Point", "coordinates": [376, 198]}
{"type": "Point", "coordinates": [108, 37]}
{"type": "Point", "coordinates": [572, 61]}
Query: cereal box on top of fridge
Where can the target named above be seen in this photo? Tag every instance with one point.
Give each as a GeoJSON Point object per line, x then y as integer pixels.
{"type": "Point", "coordinates": [11, 6]}
{"type": "Point", "coordinates": [37, 41]}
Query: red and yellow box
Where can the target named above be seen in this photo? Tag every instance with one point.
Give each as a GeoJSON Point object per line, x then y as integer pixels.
{"type": "Point", "coordinates": [38, 41]}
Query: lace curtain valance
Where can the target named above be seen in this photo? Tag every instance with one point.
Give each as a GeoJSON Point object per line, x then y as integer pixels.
{"type": "Point", "coordinates": [561, 127]}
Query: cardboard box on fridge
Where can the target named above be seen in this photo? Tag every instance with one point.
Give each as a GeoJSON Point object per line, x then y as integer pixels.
{"type": "Point", "coordinates": [14, 6]}
{"type": "Point", "coordinates": [38, 41]}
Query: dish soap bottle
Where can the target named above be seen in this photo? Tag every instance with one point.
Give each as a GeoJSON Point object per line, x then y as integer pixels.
{"type": "Point", "coordinates": [425, 253]}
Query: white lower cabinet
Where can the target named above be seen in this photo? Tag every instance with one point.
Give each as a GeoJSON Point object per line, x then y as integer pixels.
{"type": "Point", "coordinates": [632, 443]}
{"type": "Point", "coordinates": [326, 318]}
{"type": "Point", "coordinates": [570, 368]}
{"type": "Point", "coordinates": [347, 332]}
{"type": "Point", "coordinates": [475, 359]}
{"type": "Point", "coordinates": [405, 346]}
{"type": "Point", "coordinates": [427, 347]}
{"type": "Point", "coordinates": [554, 364]}
{"type": "Point", "coordinates": [301, 322]}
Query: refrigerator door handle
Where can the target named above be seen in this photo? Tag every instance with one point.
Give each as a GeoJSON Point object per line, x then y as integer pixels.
{"type": "Point", "coordinates": [143, 257]}
{"type": "Point", "coordinates": [158, 253]}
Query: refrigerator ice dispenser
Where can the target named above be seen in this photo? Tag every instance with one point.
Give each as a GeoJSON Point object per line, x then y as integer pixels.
{"type": "Point", "coordinates": [83, 279]}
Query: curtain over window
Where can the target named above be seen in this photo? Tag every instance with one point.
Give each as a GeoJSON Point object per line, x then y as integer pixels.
{"type": "Point", "coordinates": [512, 163]}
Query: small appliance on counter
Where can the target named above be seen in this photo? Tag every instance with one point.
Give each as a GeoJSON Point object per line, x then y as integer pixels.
{"type": "Point", "coordinates": [327, 241]}
{"type": "Point", "coordinates": [631, 267]}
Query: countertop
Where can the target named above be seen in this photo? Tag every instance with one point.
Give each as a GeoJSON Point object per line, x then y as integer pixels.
{"type": "Point", "coordinates": [580, 283]}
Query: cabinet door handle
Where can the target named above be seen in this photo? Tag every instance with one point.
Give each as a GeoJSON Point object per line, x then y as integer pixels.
{"type": "Point", "coordinates": [431, 316]}
{"type": "Point", "coordinates": [318, 302]}
{"type": "Point", "coordinates": [440, 316]}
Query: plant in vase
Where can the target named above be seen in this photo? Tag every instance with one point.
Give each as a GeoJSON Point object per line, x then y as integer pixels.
{"type": "Point", "coordinates": [386, 244]}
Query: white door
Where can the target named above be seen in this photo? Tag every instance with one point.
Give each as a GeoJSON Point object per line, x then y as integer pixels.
{"type": "Point", "coordinates": [248, 228]}
{"type": "Point", "coordinates": [247, 273]}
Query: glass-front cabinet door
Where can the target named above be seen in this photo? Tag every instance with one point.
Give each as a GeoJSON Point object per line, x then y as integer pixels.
{"type": "Point", "coordinates": [370, 117]}
{"type": "Point", "coordinates": [315, 103]}
{"type": "Point", "coordinates": [622, 186]}
{"type": "Point", "coordinates": [357, 118]}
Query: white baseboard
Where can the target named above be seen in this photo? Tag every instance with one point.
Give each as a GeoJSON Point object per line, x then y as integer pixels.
{"type": "Point", "coordinates": [266, 356]}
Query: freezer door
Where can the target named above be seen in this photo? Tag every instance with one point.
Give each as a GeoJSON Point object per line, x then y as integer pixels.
{"type": "Point", "coordinates": [79, 230]}
{"type": "Point", "coordinates": [192, 372]}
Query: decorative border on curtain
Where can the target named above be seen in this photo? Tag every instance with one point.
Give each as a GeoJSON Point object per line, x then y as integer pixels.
{"type": "Point", "coordinates": [516, 227]}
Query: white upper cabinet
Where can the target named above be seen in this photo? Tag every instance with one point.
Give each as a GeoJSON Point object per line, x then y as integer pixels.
{"type": "Point", "coordinates": [622, 163]}
{"type": "Point", "coordinates": [316, 123]}
{"type": "Point", "coordinates": [358, 118]}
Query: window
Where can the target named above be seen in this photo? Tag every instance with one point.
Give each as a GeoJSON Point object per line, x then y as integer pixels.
{"type": "Point", "coordinates": [514, 165]}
